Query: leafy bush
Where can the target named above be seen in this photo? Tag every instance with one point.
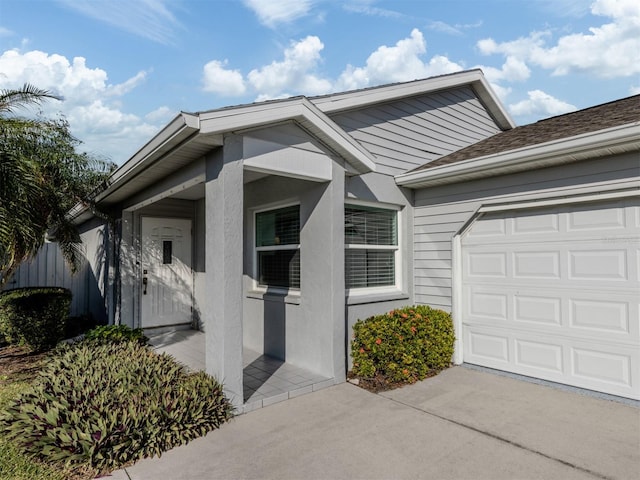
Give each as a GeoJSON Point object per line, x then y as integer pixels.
{"type": "Point", "coordinates": [404, 345]}
{"type": "Point", "coordinates": [34, 316]}
{"type": "Point", "coordinates": [115, 334]}
{"type": "Point", "coordinates": [79, 324]}
{"type": "Point", "coordinates": [111, 404]}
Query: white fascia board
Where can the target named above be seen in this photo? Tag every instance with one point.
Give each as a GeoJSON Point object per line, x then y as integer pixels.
{"type": "Point", "coordinates": [298, 109]}
{"type": "Point", "coordinates": [181, 128]}
{"type": "Point", "coordinates": [533, 156]}
{"type": "Point", "coordinates": [369, 96]}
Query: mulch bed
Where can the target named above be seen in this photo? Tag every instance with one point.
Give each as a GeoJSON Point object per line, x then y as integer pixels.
{"type": "Point", "coordinates": [379, 383]}
{"type": "Point", "coordinates": [17, 362]}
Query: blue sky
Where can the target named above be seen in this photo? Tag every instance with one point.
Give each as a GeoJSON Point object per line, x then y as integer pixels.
{"type": "Point", "coordinates": [126, 67]}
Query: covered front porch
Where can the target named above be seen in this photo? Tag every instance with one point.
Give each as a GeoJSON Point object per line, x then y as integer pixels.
{"type": "Point", "coordinates": [266, 380]}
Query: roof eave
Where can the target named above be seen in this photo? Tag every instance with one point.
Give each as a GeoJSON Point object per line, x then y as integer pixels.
{"type": "Point", "coordinates": [183, 127]}
{"type": "Point", "coordinates": [361, 98]}
{"type": "Point", "coordinates": [580, 147]}
{"type": "Point", "coordinates": [300, 110]}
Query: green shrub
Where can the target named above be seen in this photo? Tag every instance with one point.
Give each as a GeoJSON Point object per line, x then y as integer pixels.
{"type": "Point", "coordinates": [404, 345]}
{"type": "Point", "coordinates": [34, 316]}
{"type": "Point", "coordinates": [78, 325]}
{"type": "Point", "coordinates": [111, 404]}
{"type": "Point", "coordinates": [115, 334]}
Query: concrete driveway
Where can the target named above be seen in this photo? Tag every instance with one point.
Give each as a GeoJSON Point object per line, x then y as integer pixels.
{"type": "Point", "coordinates": [462, 424]}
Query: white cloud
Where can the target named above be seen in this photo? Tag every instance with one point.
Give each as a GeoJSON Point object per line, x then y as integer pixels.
{"type": "Point", "coordinates": [160, 114]}
{"type": "Point", "coordinates": [5, 32]}
{"type": "Point", "coordinates": [91, 104]}
{"type": "Point", "coordinates": [401, 62]}
{"type": "Point", "coordinates": [150, 19]}
{"type": "Point", "coordinates": [443, 27]}
{"type": "Point", "coordinates": [501, 91]}
{"type": "Point", "coordinates": [634, 90]}
{"type": "Point", "coordinates": [218, 79]}
{"type": "Point", "coordinates": [274, 12]}
{"type": "Point", "coordinates": [513, 70]}
{"type": "Point", "coordinates": [606, 51]}
{"type": "Point", "coordinates": [365, 7]}
{"type": "Point", "coordinates": [296, 72]}
{"type": "Point", "coordinates": [457, 29]}
{"type": "Point", "coordinates": [540, 104]}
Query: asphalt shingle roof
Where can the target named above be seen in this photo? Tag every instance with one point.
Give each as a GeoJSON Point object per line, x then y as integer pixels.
{"type": "Point", "coordinates": [592, 119]}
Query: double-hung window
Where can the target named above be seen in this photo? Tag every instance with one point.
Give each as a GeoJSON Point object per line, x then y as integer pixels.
{"type": "Point", "coordinates": [371, 246]}
{"type": "Point", "coordinates": [278, 247]}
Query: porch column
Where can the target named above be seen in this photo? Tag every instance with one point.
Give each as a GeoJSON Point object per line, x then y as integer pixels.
{"type": "Point", "coordinates": [222, 315]}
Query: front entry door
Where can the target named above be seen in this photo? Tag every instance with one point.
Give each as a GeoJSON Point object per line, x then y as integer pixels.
{"type": "Point", "coordinates": [167, 280]}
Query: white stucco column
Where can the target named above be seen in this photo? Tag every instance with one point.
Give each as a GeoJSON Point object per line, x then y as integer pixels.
{"type": "Point", "coordinates": [222, 315]}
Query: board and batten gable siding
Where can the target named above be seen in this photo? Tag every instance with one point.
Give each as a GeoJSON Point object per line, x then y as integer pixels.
{"type": "Point", "coordinates": [440, 212]}
{"type": "Point", "coordinates": [88, 285]}
{"type": "Point", "coordinates": [407, 133]}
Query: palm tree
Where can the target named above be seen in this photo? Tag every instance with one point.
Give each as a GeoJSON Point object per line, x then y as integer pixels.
{"type": "Point", "coordinates": [11, 100]}
{"type": "Point", "coordinates": [42, 176]}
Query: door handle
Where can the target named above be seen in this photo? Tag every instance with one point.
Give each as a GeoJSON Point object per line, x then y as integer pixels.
{"type": "Point", "coordinates": [144, 283]}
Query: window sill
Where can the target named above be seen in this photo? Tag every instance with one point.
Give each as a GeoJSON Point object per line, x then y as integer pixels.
{"type": "Point", "coordinates": [362, 296]}
{"type": "Point", "coordinates": [281, 296]}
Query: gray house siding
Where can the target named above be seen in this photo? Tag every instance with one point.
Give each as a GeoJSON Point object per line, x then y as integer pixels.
{"type": "Point", "coordinates": [440, 212]}
{"type": "Point", "coordinates": [88, 285]}
{"type": "Point", "coordinates": [407, 133]}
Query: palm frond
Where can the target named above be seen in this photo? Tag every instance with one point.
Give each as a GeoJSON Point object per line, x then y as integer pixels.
{"type": "Point", "coordinates": [12, 99]}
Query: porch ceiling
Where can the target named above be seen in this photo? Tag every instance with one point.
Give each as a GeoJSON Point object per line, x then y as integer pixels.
{"type": "Point", "coordinates": [179, 157]}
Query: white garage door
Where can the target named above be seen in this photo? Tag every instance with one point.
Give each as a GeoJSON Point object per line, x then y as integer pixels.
{"type": "Point", "coordinates": [555, 293]}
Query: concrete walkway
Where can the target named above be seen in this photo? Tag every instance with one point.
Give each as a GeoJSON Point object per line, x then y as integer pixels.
{"type": "Point", "coordinates": [462, 424]}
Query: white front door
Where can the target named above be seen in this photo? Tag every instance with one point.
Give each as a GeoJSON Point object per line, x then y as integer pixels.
{"type": "Point", "coordinates": [167, 280]}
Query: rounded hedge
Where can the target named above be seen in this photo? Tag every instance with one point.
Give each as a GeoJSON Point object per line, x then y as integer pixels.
{"type": "Point", "coordinates": [404, 345]}
{"type": "Point", "coordinates": [34, 316]}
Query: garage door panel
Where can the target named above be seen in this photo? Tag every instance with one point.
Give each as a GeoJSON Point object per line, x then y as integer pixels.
{"type": "Point", "coordinates": [554, 293]}
{"type": "Point", "coordinates": [535, 223]}
{"type": "Point", "coordinates": [539, 355]}
{"type": "Point", "coordinates": [595, 366]}
{"type": "Point", "coordinates": [572, 312]}
{"type": "Point", "coordinates": [598, 264]}
{"type": "Point", "coordinates": [600, 315]}
{"type": "Point", "coordinates": [488, 305]}
{"type": "Point", "coordinates": [586, 217]}
{"type": "Point", "coordinates": [612, 369]}
{"type": "Point", "coordinates": [535, 264]}
{"type": "Point", "coordinates": [488, 348]}
{"type": "Point", "coordinates": [486, 264]}
{"type": "Point", "coordinates": [538, 309]}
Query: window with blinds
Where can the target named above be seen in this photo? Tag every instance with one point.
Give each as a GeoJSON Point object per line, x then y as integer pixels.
{"type": "Point", "coordinates": [371, 244]}
{"type": "Point", "coordinates": [278, 247]}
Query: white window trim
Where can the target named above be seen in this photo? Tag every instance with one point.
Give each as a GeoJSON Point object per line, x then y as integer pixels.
{"type": "Point", "coordinates": [396, 288]}
{"type": "Point", "coordinates": [256, 288]}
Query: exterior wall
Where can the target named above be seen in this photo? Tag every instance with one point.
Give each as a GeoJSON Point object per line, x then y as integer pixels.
{"type": "Point", "coordinates": [88, 285]}
{"type": "Point", "coordinates": [407, 133]}
{"type": "Point", "coordinates": [306, 329]}
{"type": "Point", "coordinates": [378, 188]}
{"type": "Point", "coordinates": [130, 278]}
{"type": "Point", "coordinates": [440, 212]}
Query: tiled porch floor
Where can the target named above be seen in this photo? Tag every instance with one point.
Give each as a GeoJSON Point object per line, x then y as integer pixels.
{"type": "Point", "coordinates": [266, 380]}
